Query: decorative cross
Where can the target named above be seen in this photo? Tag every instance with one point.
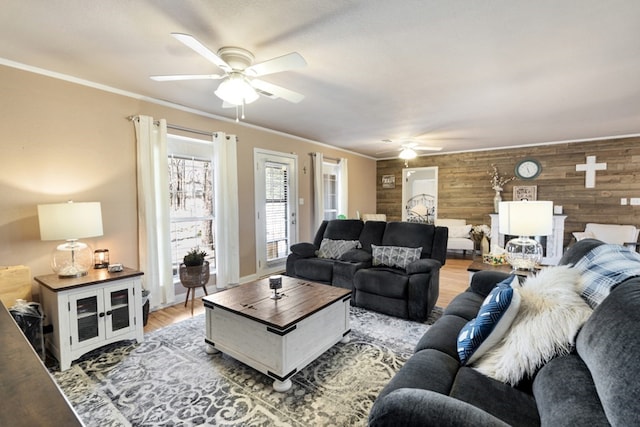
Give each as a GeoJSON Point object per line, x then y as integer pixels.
{"type": "Point", "coordinates": [590, 167]}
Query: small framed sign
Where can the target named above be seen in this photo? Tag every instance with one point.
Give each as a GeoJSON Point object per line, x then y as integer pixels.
{"type": "Point", "coordinates": [388, 181]}
{"type": "Point", "coordinates": [525, 192]}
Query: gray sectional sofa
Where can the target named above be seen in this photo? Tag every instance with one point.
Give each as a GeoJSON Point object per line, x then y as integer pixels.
{"type": "Point", "coordinates": [596, 384]}
{"type": "Point", "coordinates": [394, 267]}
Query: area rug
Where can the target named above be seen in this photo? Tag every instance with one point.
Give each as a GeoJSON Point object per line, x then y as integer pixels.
{"type": "Point", "coordinates": [169, 379]}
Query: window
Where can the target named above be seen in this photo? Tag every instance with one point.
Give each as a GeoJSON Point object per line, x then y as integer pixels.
{"type": "Point", "coordinates": [330, 178]}
{"type": "Point", "coordinates": [277, 211]}
{"type": "Point", "coordinates": [191, 204]}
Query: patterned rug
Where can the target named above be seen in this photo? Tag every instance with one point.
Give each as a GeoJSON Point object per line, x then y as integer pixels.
{"type": "Point", "coordinates": [169, 380]}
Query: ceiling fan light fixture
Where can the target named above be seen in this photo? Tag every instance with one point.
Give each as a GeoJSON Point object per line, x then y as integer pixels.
{"type": "Point", "coordinates": [407, 154]}
{"type": "Point", "coordinates": [236, 90]}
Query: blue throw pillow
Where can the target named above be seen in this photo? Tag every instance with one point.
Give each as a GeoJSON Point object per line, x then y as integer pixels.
{"type": "Point", "coordinates": [496, 314]}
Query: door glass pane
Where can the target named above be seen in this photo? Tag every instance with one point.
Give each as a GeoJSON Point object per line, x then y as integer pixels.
{"type": "Point", "coordinates": [276, 211]}
{"type": "Point", "coordinates": [87, 314]}
{"type": "Point", "coordinates": [120, 309]}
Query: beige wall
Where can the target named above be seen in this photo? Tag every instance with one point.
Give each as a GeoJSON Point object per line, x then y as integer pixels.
{"type": "Point", "coordinates": [61, 141]}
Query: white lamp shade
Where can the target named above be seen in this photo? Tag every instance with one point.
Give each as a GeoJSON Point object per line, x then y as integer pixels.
{"type": "Point", "coordinates": [407, 154]}
{"type": "Point", "coordinates": [70, 221]}
{"type": "Point", "coordinates": [526, 218]}
{"type": "Point", "coordinates": [236, 90]}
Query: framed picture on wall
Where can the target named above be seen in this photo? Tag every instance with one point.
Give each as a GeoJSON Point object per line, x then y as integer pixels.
{"type": "Point", "coordinates": [525, 192]}
{"type": "Point", "coordinates": [388, 181]}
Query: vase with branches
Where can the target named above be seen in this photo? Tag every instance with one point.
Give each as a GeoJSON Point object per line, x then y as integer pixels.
{"type": "Point", "coordinates": [497, 184]}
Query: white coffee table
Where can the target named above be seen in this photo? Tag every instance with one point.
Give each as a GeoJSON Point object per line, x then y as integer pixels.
{"type": "Point", "coordinates": [277, 337]}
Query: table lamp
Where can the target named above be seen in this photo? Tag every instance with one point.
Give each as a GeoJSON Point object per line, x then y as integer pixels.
{"type": "Point", "coordinates": [524, 219]}
{"type": "Point", "coordinates": [70, 221]}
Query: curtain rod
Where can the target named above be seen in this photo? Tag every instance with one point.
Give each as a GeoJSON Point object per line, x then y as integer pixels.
{"type": "Point", "coordinates": [177, 127]}
{"type": "Point", "coordinates": [334, 159]}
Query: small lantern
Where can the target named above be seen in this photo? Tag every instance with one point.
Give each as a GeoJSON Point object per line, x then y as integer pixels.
{"type": "Point", "coordinates": [101, 258]}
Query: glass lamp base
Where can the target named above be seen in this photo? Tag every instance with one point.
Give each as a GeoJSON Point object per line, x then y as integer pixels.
{"type": "Point", "coordinates": [523, 253]}
{"type": "Point", "coordinates": [72, 259]}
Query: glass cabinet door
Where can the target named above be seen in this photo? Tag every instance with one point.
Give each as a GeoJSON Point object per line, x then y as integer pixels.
{"type": "Point", "coordinates": [87, 318]}
{"type": "Point", "coordinates": [119, 309]}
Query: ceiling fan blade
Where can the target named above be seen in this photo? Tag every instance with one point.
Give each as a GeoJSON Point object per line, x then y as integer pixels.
{"type": "Point", "coordinates": [186, 77]}
{"type": "Point", "coordinates": [286, 62]}
{"type": "Point", "coordinates": [194, 44]}
{"type": "Point", "coordinates": [274, 91]}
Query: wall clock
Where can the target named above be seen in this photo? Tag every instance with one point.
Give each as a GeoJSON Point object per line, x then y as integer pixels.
{"type": "Point", "coordinates": [528, 169]}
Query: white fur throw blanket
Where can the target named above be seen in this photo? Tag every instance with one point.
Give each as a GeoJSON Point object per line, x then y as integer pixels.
{"type": "Point", "coordinates": [550, 315]}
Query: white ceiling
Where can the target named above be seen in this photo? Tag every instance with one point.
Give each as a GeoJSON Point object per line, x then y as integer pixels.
{"type": "Point", "coordinates": [459, 74]}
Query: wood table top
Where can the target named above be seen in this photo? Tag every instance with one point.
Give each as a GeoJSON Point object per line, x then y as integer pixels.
{"type": "Point", "coordinates": [301, 298]}
{"type": "Point", "coordinates": [29, 395]}
{"type": "Point", "coordinates": [100, 275]}
{"type": "Point", "coordinates": [476, 266]}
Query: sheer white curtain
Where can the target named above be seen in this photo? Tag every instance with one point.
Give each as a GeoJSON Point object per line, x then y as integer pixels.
{"type": "Point", "coordinates": [154, 250]}
{"type": "Point", "coordinates": [226, 209]}
{"type": "Point", "coordinates": [318, 190]}
{"type": "Point", "coordinates": [344, 187]}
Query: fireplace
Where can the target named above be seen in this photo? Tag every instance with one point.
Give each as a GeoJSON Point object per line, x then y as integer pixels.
{"type": "Point", "coordinates": [552, 245]}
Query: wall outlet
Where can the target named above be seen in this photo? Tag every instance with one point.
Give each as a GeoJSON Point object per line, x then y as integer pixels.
{"type": "Point", "coordinates": [635, 201]}
{"type": "Point", "coordinates": [623, 201]}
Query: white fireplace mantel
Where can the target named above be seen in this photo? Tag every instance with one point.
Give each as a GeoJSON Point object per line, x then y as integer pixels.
{"type": "Point", "coordinates": [555, 241]}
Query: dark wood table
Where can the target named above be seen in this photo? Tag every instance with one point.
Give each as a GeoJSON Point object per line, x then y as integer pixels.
{"type": "Point", "coordinates": [476, 266]}
{"type": "Point", "coordinates": [277, 337]}
{"type": "Point", "coordinates": [29, 395]}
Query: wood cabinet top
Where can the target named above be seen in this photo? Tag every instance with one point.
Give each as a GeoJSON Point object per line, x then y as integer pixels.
{"type": "Point", "coordinates": [94, 276]}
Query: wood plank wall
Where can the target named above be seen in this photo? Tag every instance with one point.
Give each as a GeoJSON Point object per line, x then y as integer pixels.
{"type": "Point", "coordinates": [464, 190]}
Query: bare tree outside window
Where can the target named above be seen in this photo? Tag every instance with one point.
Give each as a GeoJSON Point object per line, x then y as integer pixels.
{"type": "Point", "coordinates": [191, 208]}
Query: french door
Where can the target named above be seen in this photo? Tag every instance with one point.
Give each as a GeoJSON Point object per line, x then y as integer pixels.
{"type": "Point", "coordinates": [276, 209]}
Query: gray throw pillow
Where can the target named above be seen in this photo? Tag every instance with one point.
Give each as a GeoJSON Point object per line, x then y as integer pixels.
{"type": "Point", "coordinates": [394, 256]}
{"type": "Point", "coordinates": [334, 249]}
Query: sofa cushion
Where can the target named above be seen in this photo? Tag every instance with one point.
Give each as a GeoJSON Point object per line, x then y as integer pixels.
{"type": "Point", "coordinates": [427, 369]}
{"type": "Point", "coordinates": [565, 394]}
{"type": "Point", "coordinates": [394, 256]}
{"type": "Point", "coordinates": [465, 305]}
{"type": "Point", "coordinates": [441, 335]}
{"type": "Point", "coordinates": [515, 407]}
{"type": "Point", "coordinates": [382, 281]}
{"type": "Point", "coordinates": [609, 346]}
{"type": "Point", "coordinates": [372, 233]}
{"type": "Point", "coordinates": [334, 249]}
{"type": "Point", "coordinates": [305, 250]}
{"type": "Point", "coordinates": [412, 235]}
{"type": "Point", "coordinates": [356, 255]}
{"type": "Point", "coordinates": [495, 316]}
{"type": "Point", "coordinates": [343, 229]}
{"type": "Point", "coordinates": [460, 231]}
{"type": "Point", "coordinates": [550, 315]}
{"type": "Point", "coordinates": [316, 269]}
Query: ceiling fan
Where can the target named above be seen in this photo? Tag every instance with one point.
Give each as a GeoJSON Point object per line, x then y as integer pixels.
{"type": "Point", "coordinates": [408, 148]}
{"type": "Point", "coordinates": [239, 85]}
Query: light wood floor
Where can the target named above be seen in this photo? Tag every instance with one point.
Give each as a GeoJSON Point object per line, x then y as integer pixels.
{"type": "Point", "coordinates": [454, 279]}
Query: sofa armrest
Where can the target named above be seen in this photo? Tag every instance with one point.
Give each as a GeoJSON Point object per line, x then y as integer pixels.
{"type": "Point", "coordinates": [304, 250]}
{"type": "Point", "coordinates": [356, 255]}
{"type": "Point", "coordinates": [424, 265]}
{"type": "Point", "coordinates": [417, 407]}
{"type": "Point", "coordinates": [483, 281]}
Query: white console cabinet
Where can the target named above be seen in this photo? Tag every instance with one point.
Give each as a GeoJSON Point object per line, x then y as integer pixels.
{"type": "Point", "coordinates": [91, 311]}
